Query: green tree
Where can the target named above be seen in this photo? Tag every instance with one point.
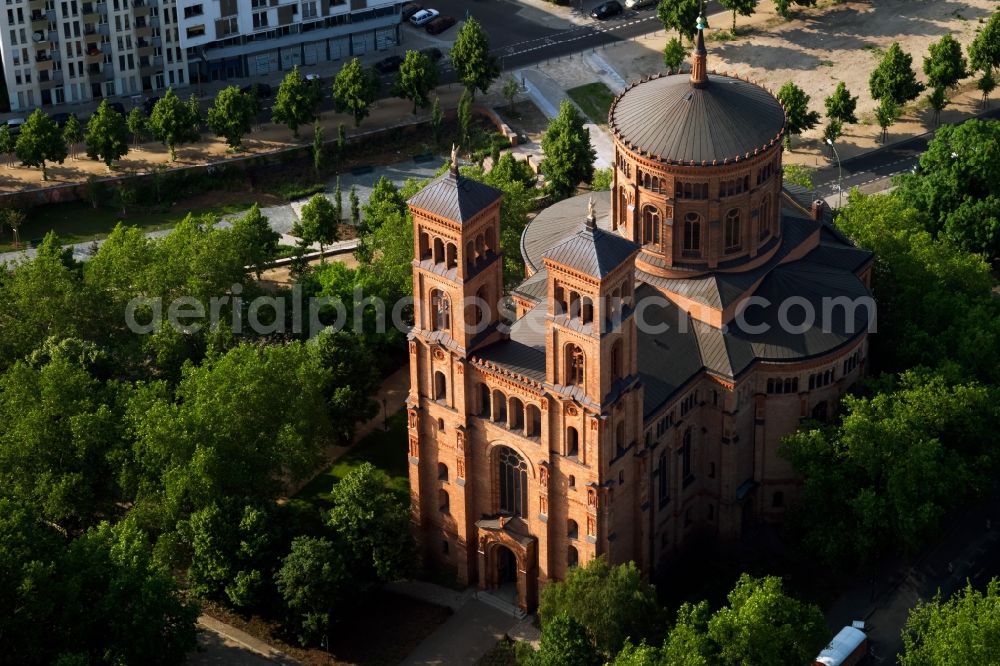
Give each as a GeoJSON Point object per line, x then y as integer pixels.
{"type": "Point", "coordinates": [674, 54]}
{"type": "Point", "coordinates": [886, 115]}
{"type": "Point", "coordinates": [72, 134]}
{"type": "Point", "coordinates": [986, 84]}
{"type": "Point", "coordinates": [958, 185]}
{"type": "Point", "coordinates": [470, 56]}
{"type": "Point", "coordinates": [611, 602]}
{"type": "Point", "coordinates": [355, 89]}
{"type": "Point", "coordinates": [231, 116]}
{"type": "Point", "coordinates": [799, 117]}
{"type": "Point", "coordinates": [984, 51]}
{"type": "Point", "coordinates": [7, 143]}
{"type": "Point", "coordinates": [256, 238]}
{"type": "Point", "coordinates": [603, 178]}
{"type": "Point", "coordinates": [314, 582]}
{"type": "Point", "coordinates": [296, 102]}
{"type": "Point", "coordinates": [833, 130]}
{"type": "Point", "coordinates": [876, 474]}
{"type": "Point", "coordinates": [841, 105]}
{"type": "Point", "coordinates": [679, 15]}
{"type": "Point", "coordinates": [688, 643]}
{"type": "Point", "coordinates": [341, 140]}
{"type": "Point", "coordinates": [564, 641]}
{"type": "Point", "coordinates": [373, 523]}
{"type": "Point", "coordinates": [352, 382]}
{"type": "Point", "coordinates": [355, 204]}
{"type": "Point", "coordinates": [171, 122]}
{"type": "Point", "coordinates": [416, 79]}
{"type": "Point", "coordinates": [741, 7]}
{"type": "Point", "coordinates": [437, 120]}
{"type": "Point", "coordinates": [318, 222]}
{"type": "Point", "coordinates": [784, 7]}
{"type": "Point", "coordinates": [338, 202]}
{"type": "Point", "coordinates": [136, 123]}
{"type": "Point", "coordinates": [318, 149]}
{"type": "Point", "coordinates": [763, 626]}
{"type": "Point", "coordinates": [964, 629]}
{"type": "Point", "coordinates": [569, 155]}
{"type": "Point", "coordinates": [107, 136]}
{"type": "Point", "coordinates": [894, 78]}
{"type": "Point", "coordinates": [944, 66]}
{"type": "Point", "coordinates": [464, 117]}
{"type": "Point", "coordinates": [39, 142]}
{"type": "Point", "coordinates": [510, 90]}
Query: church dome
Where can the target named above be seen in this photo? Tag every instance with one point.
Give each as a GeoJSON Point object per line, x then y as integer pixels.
{"type": "Point", "coordinates": [670, 120]}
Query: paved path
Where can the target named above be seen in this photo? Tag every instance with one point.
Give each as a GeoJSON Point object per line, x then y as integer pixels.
{"type": "Point", "coordinates": [465, 637]}
{"type": "Point", "coordinates": [221, 644]}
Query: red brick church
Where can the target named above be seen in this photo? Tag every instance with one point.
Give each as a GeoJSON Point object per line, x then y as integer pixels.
{"type": "Point", "coordinates": [660, 348]}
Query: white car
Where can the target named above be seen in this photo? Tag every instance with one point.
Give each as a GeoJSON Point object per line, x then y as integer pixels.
{"type": "Point", "coordinates": [424, 16]}
{"type": "Point", "coordinates": [312, 77]}
{"type": "Point", "coordinates": [636, 4]}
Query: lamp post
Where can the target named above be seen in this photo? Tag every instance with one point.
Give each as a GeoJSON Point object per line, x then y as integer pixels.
{"type": "Point", "coordinates": [840, 176]}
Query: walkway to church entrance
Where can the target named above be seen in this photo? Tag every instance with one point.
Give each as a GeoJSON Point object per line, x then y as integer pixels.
{"type": "Point", "coordinates": [506, 581]}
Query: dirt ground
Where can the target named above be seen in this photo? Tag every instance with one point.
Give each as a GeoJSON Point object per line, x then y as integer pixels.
{"type": "Point", "coordinates": [818, 48]}
{"type": "Point", "coordinates": [274, 278]}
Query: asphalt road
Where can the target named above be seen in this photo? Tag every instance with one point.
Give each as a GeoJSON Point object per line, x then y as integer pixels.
{"type": "Point", "coordinates": [869, 168]}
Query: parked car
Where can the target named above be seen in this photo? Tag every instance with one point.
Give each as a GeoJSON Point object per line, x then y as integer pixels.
{"type": "Point", "coordinates": [424, 16]}
{"type": "Point", "coordinates": [606, 10]}
{"type": "Point", "coordinates": [409, 9]}
{"type": "Point", "coordinates": [263, 90]}
{"type": "Point", "coordinates": [15, 125]}
{"type": "Point", "coordinates": [119, 107]}
{"type": "Point", "coordinates": [638, 4]}
{"type": "Point", "coordinates": [313, 77]}
{"type": "Point", "coordinates": [434, 53]}
{"type": "Point", "coordinates": [440, 24]}
{"type": "Point", "coordinates": [62, 118]}
{"type": "Point", "coordinates": [148, 104]}
{"type": "Point", "coordinates": [389, 65]}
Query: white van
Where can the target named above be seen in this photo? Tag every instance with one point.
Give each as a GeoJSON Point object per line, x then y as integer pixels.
{"type": "Point", "coordinates": [637, 4]}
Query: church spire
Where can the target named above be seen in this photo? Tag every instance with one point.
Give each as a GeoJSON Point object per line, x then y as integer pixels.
{"type": "Point", "coordinates": [699, 58]}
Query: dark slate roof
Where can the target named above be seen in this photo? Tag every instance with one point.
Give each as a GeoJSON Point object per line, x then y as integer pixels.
{"type": "Point", "coordinates": [454, 197]}
{"type": "Point", "coordinates": [593, 251]}
{"type": "Point", "coordinates": [524, 352]}
{"type": "Point", "coordinates": [669, 358]}
{"type": "Point", "coordinates": [535, 286]}
{"type": "Point", "coordinates": [670, 120]}
{"type": "Point", "coordinates": [555, 223]}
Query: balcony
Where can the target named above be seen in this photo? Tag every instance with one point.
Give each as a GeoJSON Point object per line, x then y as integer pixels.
{"type": "Point", "coordinates": [93, 54]}
{"type": "Point", "coordinates": [108, 73]}
{"type": "Point", "coordinates": [90, 12]}
{"type": "Point", "coordinates": [39, 22]}
{"type": "Point", "coordinates": [102, 8]}
{"type": "Point", "coordinates": [158, 62]}
{"type": "Point", "coordinates": [156, 40]}
{"type": "Point", "coordinates": [106, 46]}
{"type": "Point", "coordinates": [53, 35]}
{"type": "Point", "coordinates": [103, 29]}
{"type": "Point", "coordinates": [154, 21]}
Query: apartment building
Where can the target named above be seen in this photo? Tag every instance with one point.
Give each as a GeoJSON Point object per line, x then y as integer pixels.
{"type": "Point", "coordinates": [70, 51]}
{"type": "Point", "coordinates": [249, 38]}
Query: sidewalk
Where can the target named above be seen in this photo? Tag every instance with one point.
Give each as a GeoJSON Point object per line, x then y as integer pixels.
{"type": "Point", "coordinates": [221, 643]}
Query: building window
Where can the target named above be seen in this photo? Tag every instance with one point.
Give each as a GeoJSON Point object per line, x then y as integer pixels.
{"type": "Point", "coordinates": [786, 385]}
{"type": "Point", "coordinates": [686, 456]}
{"type": "Point", "coordinates": [650, 225]}
{"type": "Point", "coordinates": [778, 500]}
{"type": "Point", "coordinates": [571, 482]}
{"type": "Point", "coordinates": [616, 360]}
{"type": "Point", "coordinates": [732, 232]}
{"type": "Point", "coordinates": [764, 218]}
{"type": "Point", "coordinates": [195, 31]}
{"type": "Point", "coordinates": [572, 557]}
{"type": "Point", "coordinates": [193, 10]}
{"type": "Point", "coordinates": [575, 366]}
{"type": "Point", "coordinates": [513, 472]}
{"type": "Point", "coordinates": [620, 439]}
{"type": "Point", "coordinates": [441, 309]}
{"type": "Point", "coordinates": [260, 20]}
{"type": "Point", "coordinates": [440, 386]}
{"type": "Point", "coordinates": [444, 503]}
{"type": "Point", "coordinates": [663, 480]}
{"type": "Point", "coordinates": [442, 472]}
{"type": "Point", "coordinates": [572, 442]}
{"type": "Point", "coordinates": [572, 529]}
{"type": "Point", "coordinates": [692, 235]}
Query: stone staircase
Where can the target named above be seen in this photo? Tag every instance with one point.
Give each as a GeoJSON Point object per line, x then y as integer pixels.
{"type": "Point", "coordinates": [493, 600]}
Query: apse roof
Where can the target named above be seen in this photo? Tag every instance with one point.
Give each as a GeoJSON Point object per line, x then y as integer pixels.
{"type": "Point", "coordinates": [454, 197]}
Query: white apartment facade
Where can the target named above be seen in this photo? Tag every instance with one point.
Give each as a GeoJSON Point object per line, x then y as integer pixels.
{"type": "Point", "coordinates": [71, 51]}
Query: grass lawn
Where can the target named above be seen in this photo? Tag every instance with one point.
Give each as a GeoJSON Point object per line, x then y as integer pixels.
{"type": "Point", "coordinates": [384, 449]}
{"type": "Point", "coordinates": [595, 100]}
{"type": "Point", "coordinates": [79, 222]}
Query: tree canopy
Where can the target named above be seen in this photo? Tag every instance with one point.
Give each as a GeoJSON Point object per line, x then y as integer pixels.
{"type": "Point", "coordinates": [841, 105]}
{"type": "Point", "coordinates": [470, 56]}
{"type": "Point", "coordinates": [944, 66]}
{"type": "Point", "coordinates": [569, 154]}
{"type": "Point", "coordinates": [318, 222]}
{"type": "Point", "coordinates": [964, 629]}
{"type": "Point", "coordinates": [296, 102]}
{"type": "Point", "coordinates": [893, 78]}
{"type": "Point", "coordinates": [231, 115]}
{"type": "Point", "coordinates": [107, 135]}
{"type": "Point", "coordinates": [354, 90]}
{"type": "Point", "coordinates": [741, 7]}
{"type": "Point", "coordinates": [679, 15]}
{"type": "Point", "coordinates": [796, 103]}
{"type": "Point", "coordinates": [416, 79]}
{"type": "Point", "coordinates": [40, 141]}
{"type": "Point", "coordinates": [172, 122]}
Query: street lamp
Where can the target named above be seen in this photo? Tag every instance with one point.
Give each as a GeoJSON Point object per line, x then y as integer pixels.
{"type": "Point", "coordinates": [840, 176]}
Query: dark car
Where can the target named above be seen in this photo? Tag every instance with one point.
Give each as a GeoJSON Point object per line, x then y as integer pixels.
{"type": "Point", "coordinates": [62, 118]}
{"type": "Point", "coordinates": [409, 9]}
{"type": "Point", "coordinates": [389, 65]}
{"type": "Point", "coordinates": [440, 24]}
{"type": "Point", "coordinates": [263, 90]}
{"type": "Point", "coordinates": [119, 107]}
{"type": "Point", "coordinates": [148, 104]}
{"type": "Point", "coordinates": [434, 53]}
{"type": "Point", "coordinates": [606, 10]}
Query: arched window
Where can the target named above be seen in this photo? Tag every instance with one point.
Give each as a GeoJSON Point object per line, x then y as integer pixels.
{"type": "Point", "coordinates": [572, 442]}
{"type": "Point", "coordinates": [571, 481]}
{"type": "Point", "coordinates": [620, 438]}
{"type": "Point", "coordinates": [444, 502]}
{"type": "Point", "coordinates": [692, 235]}
{"type": "Point", "coordinates": [656, 184]}
{"type": "Point", "coordinates": [663, 482]}
{"type": "Point", "coordinates": [452, 255]}
{"type": "Point", "coordinates": [484, 401]}
{"type": "Point", "coordinates": [515, 415]}
{"type": "Point", "coordinates": [425, 246]}
{"type": "Point", "coordinates": [732, 238]}
{"type": "Point", "coordinates": [513, 481]}
{"type": "Point", "coordinates": [617, 369]}
{"type": "Point", "coordinates": [575, 366]}
{"type": "Point", "coordinates": [442, 472]}
{"type": "Point", "coordinates": [440, 386]}
{"type": "Point", "coordinates": [491, 245]}
{"type": "Point", "coordinates": [622, 208]}
{"type": "Point", "coordinates": [533, 421]}
{"type": "Point", "coordinates": [587, 309]}
{"type": "Point", "coordinates": [686, 454]}
{"type": "Point", "coordinates": [650, 225]}
{"type": "Point", "coordinates": [572, 529]}
{"type": "Point", "coordinates": [441, 311]}
{"type": "Point", "coordinates": [438, 250]}
{"type": "Point", "coordinates": [499, 406]}
{"type": "Point", "coordinates": [572, 557]}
